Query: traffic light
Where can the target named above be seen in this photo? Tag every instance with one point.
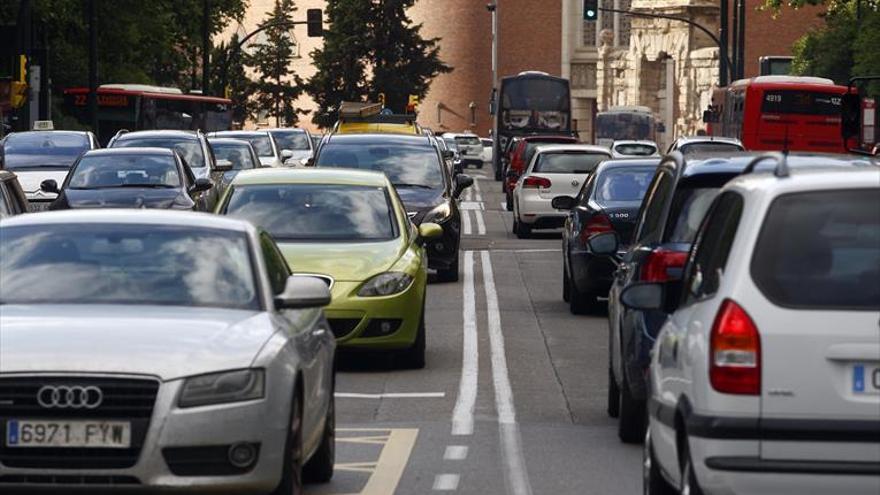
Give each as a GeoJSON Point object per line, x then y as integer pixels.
{"type": "Point", "coordinates": [18, 94]}
{"type": "Point", "coordinates": [591, 10]}
{"type": "Point", "coordinates": [315, 22]}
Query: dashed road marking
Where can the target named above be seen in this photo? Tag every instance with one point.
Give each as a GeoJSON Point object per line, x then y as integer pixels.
{"type": "Point", "coordinates": [446, 482]}
{"type": "Point", "coordinates": [466, 228]}
{"type": "Point", "coordinates": [455, 453]}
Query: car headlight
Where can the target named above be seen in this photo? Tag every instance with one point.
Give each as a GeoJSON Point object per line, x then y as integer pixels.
{"type": "Point", "coordinates": [439, 214]}
{"type": "Point", "coordinates": [385, 284]}
{"type": "Point", "coordinates": [219, 388]}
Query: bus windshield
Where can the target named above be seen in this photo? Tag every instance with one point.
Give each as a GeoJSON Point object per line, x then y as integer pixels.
{"type": "Point", "coordinates": [534, 103]}
{"type": "Point", "coordinates": [636, 126]}
{"type": "Point", "coordinates": [801, 103]}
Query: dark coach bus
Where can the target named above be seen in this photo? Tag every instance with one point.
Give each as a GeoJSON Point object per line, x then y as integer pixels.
{"type": "Point", "coordinates": [530, 103]}
{"type": "Point", "coordinates": [137, 107]}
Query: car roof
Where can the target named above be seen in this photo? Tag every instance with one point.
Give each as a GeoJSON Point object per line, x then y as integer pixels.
{"type": "Point", "coordinates": [589, 148]}
{"type": "Point", "coordinates": [338, 176]}
{"type": "Point", "coordinates": [228, 141]}
{"type": "Point", "coordinates": [77, 133]}
{"type": "Point", "coordinates": [706, 139]}
{"type": "Point", "coordinates": [737, 162]}
{"type": "Point", "coordinates": [238, 133]}
{"type": "Point", "coordinates": [380, 138]}
{"type": "Point", "coordinates": [630, 162]}
{"type": "Point", "coordinates": [131, 217]}
{"type": "Point", "coordinates": [130, 151]}
{"type": "Point", "coordinates": [296, 130]}
{"type": "Point", "coordinates": [159, 133]}
{"type": "Point", "coordinates": [634, 141]}
{"type": "Point", "coordinates": [545, 137]}
{"type": "Point", "coordinates": [860, 175]}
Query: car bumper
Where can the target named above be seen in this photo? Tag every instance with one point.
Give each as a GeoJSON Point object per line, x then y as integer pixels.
{"type": "Point", "coordinates": [383, 322]}
{"type": "Point", "coordinates": [538, 212]}
{"type": "Point", "coordinates": [262, 423]}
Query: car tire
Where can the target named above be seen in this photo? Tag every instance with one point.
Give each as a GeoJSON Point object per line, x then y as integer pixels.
{"type": "Point", "coordinates": [449, 274]}
{"type": "Point", "coordinates": [414, 357]}
{"type": "Point", "coordinates": [580, 303]}
{"type": "Point", "coordinates": [653, 482]}
{"type": "Point", "coordinates": [689, 483]}
{"type": "Point", "coordinates": [509, 204]}
{"type": "Point", "coordinates": [498, 175]}
{"type": "Point", "coordinates": [319, 469]}
{"type": "Point", "coordinates": [566, 290]}
{"type": "Point", "coordinates": [631, 423]}
{"type": "Point", "coordinates": [613, 406]}
{"type": "Point", "coordinates": [291, 473]}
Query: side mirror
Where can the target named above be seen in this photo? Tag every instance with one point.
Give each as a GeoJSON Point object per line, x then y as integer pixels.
{"type": "Point", "coordinates": [462, 182]}
{"type": "Point", "coordinates": [563, 203]}
{"type": "Point", "coordinates": [605, 243]}
{"type": "Point", "coordinates": [429, 230]}
{"type": "Point", "coordinates": [303, 292]}
{"type": "Point", "coordinates": [223, 165]}
{"type": "Point", "coordinates": [448, 154]}
{"type": "Point", "coordinates": [286, 154]}
{"type": "Point", "coordinates": [201, 184]}
{"type": "Point", "coordinates": [49, 186]}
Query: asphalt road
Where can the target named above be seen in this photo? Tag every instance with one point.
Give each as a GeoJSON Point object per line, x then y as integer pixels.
{"type": "Point", "coordinates": [512, 400]}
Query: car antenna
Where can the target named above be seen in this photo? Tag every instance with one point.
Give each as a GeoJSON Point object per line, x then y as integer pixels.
{"type": "Point", "coordinates": [785, 149]}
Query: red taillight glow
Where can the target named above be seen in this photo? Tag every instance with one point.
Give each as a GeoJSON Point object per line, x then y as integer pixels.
{"type": "Point", "coordinates": [597, 224]}
{"type": "Point", "coordinates": [735, 352]}
{"type": "Point", "coordinates": [656, 268]}
{"type": "Point", "coordinates": [533, 182]}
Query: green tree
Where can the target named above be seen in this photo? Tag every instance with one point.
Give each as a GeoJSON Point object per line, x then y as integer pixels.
{"type": "Point", "coordinates": [376, 38]}
{"type": "Point", "coordinates": [277, 87]}
{"type": "Point", "coordinates": [239, 85]}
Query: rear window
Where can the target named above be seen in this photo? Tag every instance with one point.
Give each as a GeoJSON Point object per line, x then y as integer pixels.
{"type": "Point", "coordinates": [801, 102]}
{"type": "Point", "coordinates": [821, 250]}
{"type": "Point", "coordinates": [709, 148]}
{"type": "Point", "coordinates": [468, 140]}
{"type": "Point", "coordinates": [623, 184]}
{"type": "Point", "coordinates": [688, 209]}
{"type": "Point", "coordinates": [635, 149]}
{"type": "Point", "coordinates": [568, 163]}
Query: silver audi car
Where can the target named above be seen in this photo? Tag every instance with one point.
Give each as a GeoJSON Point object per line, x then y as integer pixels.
{"type": "Point", "coordinates": [145, 350]}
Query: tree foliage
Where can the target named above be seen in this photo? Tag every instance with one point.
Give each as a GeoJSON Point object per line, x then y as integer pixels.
{"type": "Point", "coordinates": [371, 48]}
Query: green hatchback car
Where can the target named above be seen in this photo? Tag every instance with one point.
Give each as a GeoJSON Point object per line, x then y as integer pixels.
{"type": "Point", "coordinates": [349, 228]}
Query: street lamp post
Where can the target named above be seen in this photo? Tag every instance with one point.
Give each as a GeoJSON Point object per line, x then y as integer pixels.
{"type": "Point", "coordinates": [493, 9]}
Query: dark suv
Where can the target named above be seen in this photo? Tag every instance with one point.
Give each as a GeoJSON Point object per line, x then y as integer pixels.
{"type": "Point", "coordinates": [427, 188]}
{"type": "Point", "coordinates": [678, 197]}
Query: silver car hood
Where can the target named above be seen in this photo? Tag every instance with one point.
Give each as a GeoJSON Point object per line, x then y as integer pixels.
{"type": "Point", "coordinates": [164, 341]}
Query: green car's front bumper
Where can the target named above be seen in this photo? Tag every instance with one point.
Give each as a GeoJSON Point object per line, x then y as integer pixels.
{"type": "Point", "coordinates": [380, 323]}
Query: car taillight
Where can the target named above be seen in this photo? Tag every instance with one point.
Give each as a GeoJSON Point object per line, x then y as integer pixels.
{"type": "Point", "coordinates": [659, 262]}
{"type": "Point", "coordinates": [596, 224]}
{"type": "Point", "coordinates": [533, 181]}
{"type": "Point", "coordinates": [735, 352]}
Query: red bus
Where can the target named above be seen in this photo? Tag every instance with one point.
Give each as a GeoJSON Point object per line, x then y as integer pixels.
{"type": "Point", "coordinates": [136, 107]}
{"type": "Point", "coordinates": [780, 113]}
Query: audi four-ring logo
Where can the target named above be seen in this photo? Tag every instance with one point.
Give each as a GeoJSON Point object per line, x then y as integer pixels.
{"type": "Point", "coordinates": [70, 397]}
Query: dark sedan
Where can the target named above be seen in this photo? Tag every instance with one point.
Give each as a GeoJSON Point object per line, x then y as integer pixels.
{"type": "Point", "coordinates": [608, 202]}
{"type": "Point", "coordinates": [428, 189]}
{"type": "Point", "coordinates": [130, 178]}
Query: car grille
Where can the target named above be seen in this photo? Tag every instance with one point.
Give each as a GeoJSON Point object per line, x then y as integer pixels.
{"type": "Point", "coordinates": [343, 326]}
{"type": "Point", "coordinates": [123, 399]}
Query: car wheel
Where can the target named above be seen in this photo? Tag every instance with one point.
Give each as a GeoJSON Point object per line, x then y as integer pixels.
{"type": "Point", "coordinates": [631, 425]}
{"type": "Point", "coordinates": [319, 469]}
{"type": "Point", "coordinates": [498, 174]}
{"type": "Point", "coordinates": [291, 474]}
{"type": "Point", "coordinates": [414, 357]}
{"type": "Point", "coordinates": [653, 482]}
{"type": "Point", "coordinates": [689, 484]}
{"type": "Point", "coordinates": [509, 204]}
{"type": "Point", "coordinates": [566, 293]}
{"type": "Point", "coordinates": [613, 406]}
{"type": "Point", "coordinates": [580, 303]}
{"type": "Point", "coordinates": [449, 274]}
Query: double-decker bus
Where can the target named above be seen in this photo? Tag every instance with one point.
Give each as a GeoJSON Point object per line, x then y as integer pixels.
{"type": "Point", "coordinates": [780, 113]}
{"type": "Point", "coordinates": [631, 123]}
{"type": "Point", "coordinates": [136, 107]}
{"type": "Point", "coordinates": [530, 103]}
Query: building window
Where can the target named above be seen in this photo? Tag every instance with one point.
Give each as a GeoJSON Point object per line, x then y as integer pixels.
{"type": "Point", "coordinates": [590, 33]}
{"type": "Point", "coordinates": [625, 21]}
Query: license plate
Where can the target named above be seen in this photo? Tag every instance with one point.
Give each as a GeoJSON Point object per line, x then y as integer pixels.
{"type": "Point", "coordinates": [36, 206]}
{"type": "Point", "coordinates": [866, 379]}
{"type": "Point", "coordinates": [78, 434]}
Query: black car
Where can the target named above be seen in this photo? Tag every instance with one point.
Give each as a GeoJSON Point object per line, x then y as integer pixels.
{"type": "Point", "coordinates": [680, 193]}
{"type": "Point", "coordinates": [193, 148]}
{"type": "Point", "coordinates": [427, 188]}
{"type": "Point", "coordinates": [608, 201]}
{"type": "Point", "coordinates": [12, 198]}
{"type": "Point", "coordinates": [130, 178]}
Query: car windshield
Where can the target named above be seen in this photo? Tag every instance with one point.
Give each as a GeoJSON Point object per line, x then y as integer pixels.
{"type": "Point", "coordinates": [405, 166]}
{"type": "Point", "coordinates": [709, 147]}
{"type": "Point", "coordinates": [262, 143]}
{"type": "Point", "coordinates": [316, 212]}
{"type": "Point", "coordinates": [189, 149]}
{"type": "Point", "coordinates": [635, 149]}
{"type": "Point", "coordinates": [568, 163]}
{"type": "Point", "coordinates": [468, 140]}
{"type": "Point", "coordinates": [688, 209]}
{"type": "Point", "coordinates": [103, 171]}
{"type": "Point", "coordinates": [91, 263]}
{"type": "Point", "coordinates": [238, 154]}
{"type": "Point", "coordinates": [43, 149]}
{"type": "Point", "coordinates": [292, 140]}
{"type": "Point", "coordinates": [623, 184]}
{"type": "Point", "coordinates": [451, 144]}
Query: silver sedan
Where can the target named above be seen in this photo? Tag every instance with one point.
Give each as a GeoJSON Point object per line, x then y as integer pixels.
{"type": "Point", "coordinates": [159, 350]}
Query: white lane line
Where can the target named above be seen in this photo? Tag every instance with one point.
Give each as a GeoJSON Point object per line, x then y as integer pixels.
{"type": "Point", "coordinates": [469, 194]}
{"type": "Point", "coordinates": [455, 453]}
{"type": "Point", "coordinates": [463, 414]}
{"type": "Point", "coordinates": [446, 482]}
{"type": "Point", "coordinates": [503, 205]}
{"type": "Point", "coordinates": [466, 222]}
{"type": "Point", "coordinates": [481, 224]}
{"type": "Point", "coordinates": [392, 395]}
{"type": "Point", "coordinates": [477, 195]}
{"type": "Point", "coordinates": [517, 476]}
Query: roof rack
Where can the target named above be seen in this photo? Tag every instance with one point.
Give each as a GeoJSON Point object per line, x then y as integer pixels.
{"type": "Point", "coordinates": [375, 113]}
{"type": "Point", "coordinates": [781, 169]}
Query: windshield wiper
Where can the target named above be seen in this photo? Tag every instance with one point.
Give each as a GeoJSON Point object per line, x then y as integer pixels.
{"type": "Point", "coordinates": [133, 186]}
{"type": "Point", "coordinates": [419, 186]}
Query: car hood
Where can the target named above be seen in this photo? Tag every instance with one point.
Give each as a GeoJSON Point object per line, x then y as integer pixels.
{"type": "Point", "coordinates": [30, 182]}
{"type": "Point", "coordinates": [126, 198]}
{"type": "Point", "coordinates": [268, 161]}
{"type": "Point", "coordinates": [165, 341]}
{"type": "Point", "coordinates": [416, 198]}
{"type": "Point", "coordinates": [353, 262]}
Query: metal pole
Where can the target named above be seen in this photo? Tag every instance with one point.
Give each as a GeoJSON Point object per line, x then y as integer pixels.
{"type": "Point", "coordinates": [26, 24]}
{"type": "Point", "coordinates": [494, 10]}
{"type": "Point", "coordinates": [736, 60]}
{"type": "Point", "coordinates": [93, 65]}
{"type": "Point", "coordinates": [723, 34]}
{"type": "Point", "coordinates": [206, 46]}
{"type": "Point", "coordinates": [741, 66]}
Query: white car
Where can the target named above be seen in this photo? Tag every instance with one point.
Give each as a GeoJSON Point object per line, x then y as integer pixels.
{"type": "Point", "coordinates": [487, 150]}
{"type": "Point", "coordinates": [469, 146]}
{"type": "Point", "coordinates": [634, 149]}
{"type": "Point", "coordinates": [705, 144]}
{"type": "Point", "coordinates": [766, 377]}
{"type": "Point", "coordinates": [554, 170]}
{"type": "Point", "coordinates": [264, 144]}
